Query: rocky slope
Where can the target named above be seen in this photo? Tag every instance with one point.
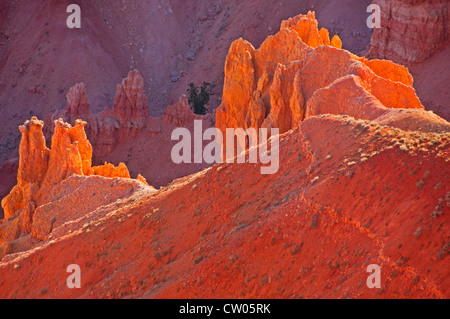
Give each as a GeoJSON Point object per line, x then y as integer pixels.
{"type": "Point", "coordinates": [411, 30]}
{"type": "Point", "coordinates": [309, 231]}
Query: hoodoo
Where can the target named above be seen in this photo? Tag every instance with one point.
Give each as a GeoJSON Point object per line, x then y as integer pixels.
{"type": "Point", "coordinates": [41, 172]}
{"type": "Point", "coordinates": [299, 72]}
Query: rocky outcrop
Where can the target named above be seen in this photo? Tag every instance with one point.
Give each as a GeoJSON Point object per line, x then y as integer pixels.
{"type": "Point", "coordinates": [259, 85]}
{"type": "Point", "coordinates": [33, 163]}
{"type": "Point", "coordinates": [411, 30]}
{"type": "Point", "coordinates": [41, 169]}
{"type": "Point", "coordinates": [180, 114]}
{"type": "Point", "coordinates": [307, 29]}
{"type": "Point", "coordinates": [299, 72]}
{"type": "Point", "coordinates": [63, 203]}
{"type": "Point", "coordinates": [105, 130]}
{"type": "Point", "coordinates": [77, 102]}
{"type": "Point", "coordinates": [129, 116]}
{"type": "Point", "coordinates": [8, 176]}
{"type": "Point", "coordinates": [130, 104]}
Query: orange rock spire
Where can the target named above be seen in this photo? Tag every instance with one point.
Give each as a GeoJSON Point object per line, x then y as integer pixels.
{"type": "Point", "coordinates": [41, 169]}
{"type": "Point", "coordinates": [300, 72]}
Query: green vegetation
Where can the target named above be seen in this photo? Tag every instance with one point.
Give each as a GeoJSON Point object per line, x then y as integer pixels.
{"type": "Point", "coordinates": [199, 97]}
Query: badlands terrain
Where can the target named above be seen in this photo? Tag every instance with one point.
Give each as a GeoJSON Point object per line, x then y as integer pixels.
{"type": "Point", "coordinates": [87, 178]}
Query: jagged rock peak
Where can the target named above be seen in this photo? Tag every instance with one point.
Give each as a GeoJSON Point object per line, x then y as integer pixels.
{"type": "Point", "coordinates": [77, 101]}
{"type": "Point", "coordinates": [41, 170]}
{"type": "Point", "coordinates": [130, 102]}
{"type": "Point", "coordinates": [282, 82]}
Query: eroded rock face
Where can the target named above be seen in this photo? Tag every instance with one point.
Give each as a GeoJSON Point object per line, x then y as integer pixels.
{"type": "Point", "coordinates": [258, 84]}
{"type": "Point", "coordinates": [63, 203]}
{"type": "Point", "coordinates": [411, 30]}
{"type": "Point", "coordinates": [41, 169]}
{"type": "Point", "coordinates": [130, 103]}
{"type": "Point", "coordinates": [299, 72]}
{"type": "Point", "coordinates": [33, 163]}
{"type": "Point", "coordinates": [77, 101]}
{"type": "Point", "coordinates": [180, 114]}
{"type": "Point", "coordinates": [307, 29]}
{"type": "Point", "coordinates": [8, 176]}
{"type": "Point", "coordinates": [129, 116]}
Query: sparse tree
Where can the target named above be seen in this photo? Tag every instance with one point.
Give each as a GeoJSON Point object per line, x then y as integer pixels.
{"type": "Point", "coordinates": [199, 97]}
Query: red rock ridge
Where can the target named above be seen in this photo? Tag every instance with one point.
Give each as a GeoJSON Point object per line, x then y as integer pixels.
{"type": "Point", "coordinates": [349, 193]}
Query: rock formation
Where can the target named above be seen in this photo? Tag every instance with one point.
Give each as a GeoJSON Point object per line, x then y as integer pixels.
{"type": "Point", "coordinates": [41, 169]}
{"type": "Point", "coordinates": [129, 116]}
{"type": "Point", "coordinates": [299, 72]}
{"type": "Point", "coordinates": [8, 176]}
{"type": "Point", "coordinates": [130, 104]}
{"type": "Point", "coordinates": [180, 114]}
{"type": "Point", "coordinates": [411, 30]}
{"type": "Point", "coordinates": [307, 29]}
{"type": "Point", "coordinates": [255, 80]}
{"type": "Point", "coordinates": [77, 102]}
